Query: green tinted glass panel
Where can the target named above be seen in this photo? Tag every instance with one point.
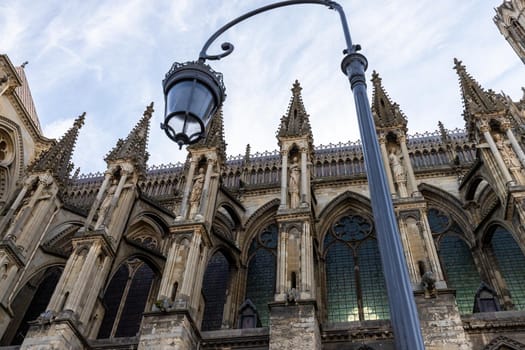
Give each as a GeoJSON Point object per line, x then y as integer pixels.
{"type": "Point", "coordinates": [214, 288]}
{"type": "Point", "coordinates": [260, 284]}
{"type": "Point", "coordinates": [136, 299]}
{"type": "Point", "coordinates": [511, 263]}
{"type": "Point", "coordinates": [460, 271]}
{"type": "Point", "coordinates": [437, 220]}
{"type": "Point", "coordinates": [340, 284]}
{"type": "Point", "coordinates": [375, 299]}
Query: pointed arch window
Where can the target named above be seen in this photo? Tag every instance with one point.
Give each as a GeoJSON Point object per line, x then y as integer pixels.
{"type": "Point", "coordinates": [511, 263]}
{"type": "Point", "coordinates": [214, 289]}
{"type": "Point", "coordinates": [262, 266]}
{"type": "Point", "coordinates": [45, 288]}
{"type": "Point", "coordinates": [125, 299]}
{"type": "Point", "coordinates": [456, 259]}
{"type": "Point", "coordinates": [355, 286]}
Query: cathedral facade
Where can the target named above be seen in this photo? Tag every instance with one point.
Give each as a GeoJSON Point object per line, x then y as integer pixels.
{"type": "Point", "coordinates": [273, 250]}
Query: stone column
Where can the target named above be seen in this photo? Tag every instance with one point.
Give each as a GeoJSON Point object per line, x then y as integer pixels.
{"type": "Point", "coordinates": [386, 161]}
{"type": "Point", "coordinates": [5, 220]}
{"type": "Point", "coordinates": [74, 298]}
{"type": "Point", "coordinates": [206, 188]}
{"type": "Point", "coordinates": [515, 146]}
{"type": "Point", "coordinates": [24, 212]}
{"type": "Point", "coordinates": [98, 199]}
{"type": "Point", "coordinates": [191, 269]}
{"type": "Point", "coordinates": [187, 189]}
{"type": "Point", "coordinates": [497, 156]}
{"type": "Point", "coordinates": [307, 287]}
{"type": "Point", "coordinates": [433, 256]}
{"type": "Point", "coordinates": [304, 188]}
{"type": "Point", "coordinates": [38, 214]}
{"type": "Point", "coordinates": [409, 256]}
{"type": "Point", "coordinates": [412, 184]}
{"type": "Point", "coordinates": [284, 179]}
{"type": "Point", "coordinates": [280, 278]}
{"type": "Point", "coordinates": [167, 281]}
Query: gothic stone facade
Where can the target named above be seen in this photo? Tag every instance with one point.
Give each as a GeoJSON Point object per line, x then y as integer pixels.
{"type": "Point", "coordinates": [272, 250]}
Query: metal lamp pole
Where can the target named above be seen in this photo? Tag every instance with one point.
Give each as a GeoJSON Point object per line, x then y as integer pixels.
{"type": "Point", "coordinates": [403, 312]}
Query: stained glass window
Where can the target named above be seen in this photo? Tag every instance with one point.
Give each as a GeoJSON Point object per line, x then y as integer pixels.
{"type": "Point", "coordinates": [38, 303]}
{"type": "Point", "coordinates": [214, 289]}
{"type": "Point", "coordinates": [511, 264]}
{"type": "Point", "coordinates": [355, 284]}
{"type": "Point", "coordinates": [437, 220]}
{"type": "Point", "coordinates": [135, 303]}
{"type": "Point", "coordinates": [260, 284]}
{"type": "Point", "coordinates": [125, 299]}
{"type": "Point", "coordinates": [460, 271]}
{"type": "Point", "coordinates": [112, 299]}
{"type": "Point", "coordinates": [456, 259]}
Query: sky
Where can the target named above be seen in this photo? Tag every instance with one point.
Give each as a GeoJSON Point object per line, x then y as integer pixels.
{"type": "Point", "coordinates": [108, 59]}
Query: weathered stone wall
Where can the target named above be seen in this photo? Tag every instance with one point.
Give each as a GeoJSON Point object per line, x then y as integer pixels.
{"type": "Point", "coordinates": [161, 331]}
{"type": "Point", "coordinates": [441, 323]}
{"type": "Point", "coordinates": [52, 336]}
{"type": "Point", "coordinates": [503, 327]}
{"type": "Point", "coordinates": [294, 327]}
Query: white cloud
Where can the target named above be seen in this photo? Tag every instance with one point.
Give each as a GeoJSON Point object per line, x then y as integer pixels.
{"type": "Point", "coordinates": [109, 58]}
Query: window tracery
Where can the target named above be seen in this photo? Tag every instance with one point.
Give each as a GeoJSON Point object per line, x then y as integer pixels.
{"type": "Point", "coordinates": [510, 262]}
{"type": "Point", "coordinates": [456, 259]}
{"type": "Point", "coordinates": [262, 265]}
{"type": "Point", "coordinates": [125, 299]}
{"type": "Point", "coordinates": [355, 286]}
{"type": "Point", "coordinates": [39, 302]}
{"type": "Point", "coordinates": [214, 289]}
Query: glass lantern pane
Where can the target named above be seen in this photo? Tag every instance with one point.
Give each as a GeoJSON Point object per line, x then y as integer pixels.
{"type": "Point", "coordinates": [178, 96]}
{"type": "Point", "coordinates": [201, 102]}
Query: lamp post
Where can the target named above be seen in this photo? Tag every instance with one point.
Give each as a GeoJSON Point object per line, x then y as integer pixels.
{"type": "Point", "coordinates": [193, 91]}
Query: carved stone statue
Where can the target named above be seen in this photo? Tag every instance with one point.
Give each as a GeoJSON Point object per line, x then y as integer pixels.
{"type": "Point", "coordinates": [292, 296]}
{"type": "Point", "coordinates": [294, 183]}
{"type": "Point", "coordinates": [509, 157]}
{"type": "Point", "coordinates": [428, 281]}
{"type": "Point", "coordinates": [196, 192]}
{"type": "Point", "coordinates": [507, 153]}
{"type": "Point", "coordinates": [106, 203]}
{"type": "Point", "coordinates": [398, 172]}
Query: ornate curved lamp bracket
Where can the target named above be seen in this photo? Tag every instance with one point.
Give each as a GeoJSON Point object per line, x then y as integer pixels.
{"type": "Point", "coordinates": [228, 47]}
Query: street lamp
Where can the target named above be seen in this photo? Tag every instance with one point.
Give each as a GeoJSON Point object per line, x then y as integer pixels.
{"type": "Point", "coordinates": [182, 119]}
{"type": "Point", "coordinates": [193, 92]}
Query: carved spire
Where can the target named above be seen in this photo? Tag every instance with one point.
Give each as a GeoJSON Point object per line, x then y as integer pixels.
{"type": "Point", "coordinates": [57, 159]}
{"type": "Point", "coordinates": [214, 136]}
{"type": "Point", "coordinates": [443, 131]}
{"type": "Point", "coordinates": [476, 101]}
{"type": "Point", "coordinates": [133, 148]}
{"type": "Point", "coordinates": [386, 113]}
{"type": "Point", "coordinates": [296, 122]}
{"type": "Point", "coordinates": [247, 154]}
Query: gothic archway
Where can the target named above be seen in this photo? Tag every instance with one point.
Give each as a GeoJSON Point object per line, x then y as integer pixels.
{"type": "Point", "coordinates": [125, 299]}
{"type": "Point", "coordinates": [355, 286]}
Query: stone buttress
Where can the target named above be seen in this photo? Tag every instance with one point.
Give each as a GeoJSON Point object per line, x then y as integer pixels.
{"type": "Point", "coordinates": [411, 210]}
{"type": "Point", "coordinates": [75, 309]}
